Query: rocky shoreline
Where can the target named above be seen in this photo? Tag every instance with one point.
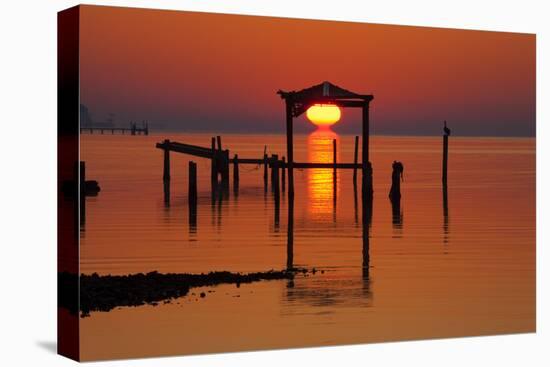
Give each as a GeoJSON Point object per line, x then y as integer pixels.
{"type": "Point", "coordinates": [105, 292]}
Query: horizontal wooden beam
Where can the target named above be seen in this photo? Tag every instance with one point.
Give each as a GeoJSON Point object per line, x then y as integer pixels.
{"type": "Point", "coordinates": [199, 151]}
{"type": "Point", "coordinates": [324, 165]}
{"type": "Point", "coordinates": [186, 149]}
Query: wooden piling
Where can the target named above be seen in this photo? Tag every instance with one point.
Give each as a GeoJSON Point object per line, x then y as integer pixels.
{"type": "Point", "coordinates": [166, 171]}
{"type": "Point", "coordinates": [82, 192]}
{"type": "Point", "coordinates": [82, 178]}
{"type": "Point", "coordinates": [366, 165]}
{"type": "Point", "coordinates": [397, 174]}
{"type": "Point", "coordinates": [236, 169]}
{"type": "Point", "coordinates": [290, 146]}
{"type": "Point", "coordinates": [192, 184]}
{"type": "Point", "coordinates": [265, 169]}
{"type": "Point", "coordinates": [274, 170]}
{"type": "Point", "coordinates": [166, 187]}
{"type": "Point", "coordinates": [334, 156]}
{"type": "Point", "coordinates": [283, 173]}
{"type": "Point", "coordinates": [355, 158]}
{"type": "Point", "coordinates": [225, 167]}
{"type": "Point", "coordinates": [445, 157]}
{"type": "Point", "coordinates": [213, 165]}
{"type": "Point", "coordinates": [219, 139]}
{"type": "Point", "coordinates": [275, 173]}
{"type": "Point", "coordinates": [192, 197]}
{"type": "Point", "coordinates": [275, 186]}
{"type": "Point", "coordinates": [445, 214]}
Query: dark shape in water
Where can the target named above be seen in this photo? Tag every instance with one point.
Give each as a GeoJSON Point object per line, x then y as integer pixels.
{"type": "Point", "coordinates": [396, 178]}
{"type": "Point", "coordinates": [106, 292]}
{"type": "Point", "coordinates": [91, 188]}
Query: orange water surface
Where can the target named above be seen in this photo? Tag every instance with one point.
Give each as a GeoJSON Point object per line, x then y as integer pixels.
{"type": "Point", "coordinates": [436, 268]}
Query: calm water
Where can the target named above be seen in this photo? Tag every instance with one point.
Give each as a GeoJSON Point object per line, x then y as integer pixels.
{"type": "Point", "coordinates": [434, 271]}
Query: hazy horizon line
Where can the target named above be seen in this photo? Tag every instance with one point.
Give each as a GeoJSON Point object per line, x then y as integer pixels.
{"type": "Point", "coordinates": [218, 132]}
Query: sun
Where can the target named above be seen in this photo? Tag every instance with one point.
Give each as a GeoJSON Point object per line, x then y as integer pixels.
{"type": "Point", "coordinates": [324, 114]}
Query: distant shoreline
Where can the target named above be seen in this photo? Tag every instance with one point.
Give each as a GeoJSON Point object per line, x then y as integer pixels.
{"type": "Point", "coordinates": [222, 133]}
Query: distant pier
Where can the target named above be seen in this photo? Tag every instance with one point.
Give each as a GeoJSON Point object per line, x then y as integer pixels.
{"type": "Point", "coordinates": [132, 130]}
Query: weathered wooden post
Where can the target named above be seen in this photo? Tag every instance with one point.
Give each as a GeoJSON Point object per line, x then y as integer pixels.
{"type": "Point", "coordinates": [213, 164]}
{"type": "Point", "coordinates": [290, 145]}
{"type": "Point", "coordinates": [192, 197]}
{"type": "Point", "coordinates": [283, 173]}
{"type": "Point", "coordinates": [366, 165]}
{"type": "Point", "coordinates": [276, 179]}
{"type": "Point", "coordinates": [166, 171]}
{"type": "Point", "coordinates": [265, 169]}
{"type": "Point", "coordinates": [334, 155]}
{"type": "Point", "coordinates": [445, 203]}
{"type": "Point", "coordinates": [82, 178]}
{"type": "Point", "coordinates": [219, 138]}
{"type": "Point", "coordinates": [82, 191]}
{"type": "Point", "coordinates": [275, 187]}
{"type": "Point", "coordinates": [236, 170]}
{"type": "Point", "coordinates": [225, 168]}
{"type": "Point", "coordinates": [396, 176]}
{"type": "Point", "coordinates": [445, 214]}
{"type": "Point", "coordinates": [192, 184]}
{"type": "Point", "coordinates": [274, 171]}
{"type": "Point", "coordinates": [355, 159]}
{"type": "Point", "coordinates": [166, 186]}
{"type": "Point", "coordinates": [445, 157]}
{"type": "Point", "coordinates": [334, 180]}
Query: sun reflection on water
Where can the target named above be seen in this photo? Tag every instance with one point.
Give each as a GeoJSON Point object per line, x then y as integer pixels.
{"type": "Point", "coordinates": [322, 191]}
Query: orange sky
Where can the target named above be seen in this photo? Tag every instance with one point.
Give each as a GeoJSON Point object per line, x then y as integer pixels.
{"type": "Point", "coordinates": [198, 71]}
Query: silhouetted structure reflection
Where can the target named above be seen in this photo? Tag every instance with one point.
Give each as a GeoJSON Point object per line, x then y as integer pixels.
{"type": "Point", "coordinates": [334, 195]}
{"type": "Point", "coordinates": [166, 185]}
{"type": "Point", "coordinates": [321, 288]}
{"type": "Point", "coordinates": [290, 233]}
{"type": "Point", "coordinates": [192, 219]}
{"type": "Point", "coordinates": [277, 210]}
{"type": "Point", "coordinates": [397, 214]}
{"type": "Point", "coordinates": [366, 223]}
{"type": "Point", "coordinates": [445, 215]}
{"type": "Point", "coordinates": [219, 194]}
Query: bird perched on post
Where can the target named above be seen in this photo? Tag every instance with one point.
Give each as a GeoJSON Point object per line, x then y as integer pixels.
{"type": "Point", "coordinates": [398, 167]}
{"type": "Point", "coordinates": [446, 129]}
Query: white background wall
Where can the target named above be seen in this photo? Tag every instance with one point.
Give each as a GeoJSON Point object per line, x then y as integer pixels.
{"type": "Point", "coordinates": [28, 169]}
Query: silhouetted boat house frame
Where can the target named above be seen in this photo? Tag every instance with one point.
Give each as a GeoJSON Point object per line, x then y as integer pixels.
{"type": "Point", "coordinates": [326, 93]}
